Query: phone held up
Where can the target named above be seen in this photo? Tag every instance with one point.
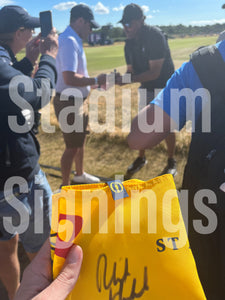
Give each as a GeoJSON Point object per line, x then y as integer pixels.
{"type": "Point", "coordinates": [46, 22]}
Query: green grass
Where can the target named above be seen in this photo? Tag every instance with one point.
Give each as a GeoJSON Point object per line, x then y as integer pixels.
{"type": "Point", "coordinates": [110, 57]}
{"type": "Point", "coordinates": [106, 58]}
{"type": "Point", "coordinates": [191, 42]}
{"type": "Point", "coordinates": [181, 48]}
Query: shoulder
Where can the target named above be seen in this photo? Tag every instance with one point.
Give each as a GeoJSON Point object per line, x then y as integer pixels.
{"type": "Point", "coordinates": [4, 55]}
{"type": "Point", "coordinates": [68, 41]}
{"type": "Point", "coordinates": [152, 34]}
{"type": "Point", "coordinates": [156, 32]}
{"type": "Point", "coordinates": [7, 72]}
{"type": "Point", "coordinates": [68, 36]}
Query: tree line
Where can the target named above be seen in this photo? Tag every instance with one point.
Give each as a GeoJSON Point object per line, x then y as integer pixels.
{"type": "Point", "coordinates": [117, 33]}
{"type": "Point", "coordinates": [193, 30]}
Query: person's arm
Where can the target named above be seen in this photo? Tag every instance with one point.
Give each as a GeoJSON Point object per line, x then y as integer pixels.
{"type": "Point", "coordinates": [155, 67]}
{"type": "Point", "coordinates": [75, 79]}
{"type": "Point", "coordinates": [32, 52]}
{"type": "Point", "coordinates": [155, 47]}
{"type": "Point", "coordinates": [47, 71]}
{"type": "Point", "coordinates": [37, 281]}
{"type": "Point", "coordinates": [165, 114]}
{"type": "Point", "coordinates": [14, 82]}
{"type": "Point", "coordinates": [141, 137]}
{"type": "Point", "coordinates": [156, 54]}
{"type": "Point", "coordinates": [24, 66]}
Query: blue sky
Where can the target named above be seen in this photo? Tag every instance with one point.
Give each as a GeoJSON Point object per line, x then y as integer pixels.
{"type": "Point", "coordinates": [158, 12]}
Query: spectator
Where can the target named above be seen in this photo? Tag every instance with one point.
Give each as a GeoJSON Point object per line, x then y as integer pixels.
{"type": "Point", "coordinates": [195, 103]}
{"type": "Point", "coordinates": [37, 279]}
{"type": "Point", "coordinates": [73, 87]}
{"type": "Point", "coordinates": [25, 195]}
{"type": "Point", "coordinates": [221, 36]}
{"type": "Point", "coordinates": [149, 62]}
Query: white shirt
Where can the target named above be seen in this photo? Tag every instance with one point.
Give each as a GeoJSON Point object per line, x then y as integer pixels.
{"type": "Point", "coordinates": [71, 57]}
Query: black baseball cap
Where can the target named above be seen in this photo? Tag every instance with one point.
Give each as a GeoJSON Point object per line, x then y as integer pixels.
{"type": "Point", "coordinates": [84, 12]}
{"type": "Point", "coordinates": [12, 17]}
{"type": "Point", "coordinates": [131, 12]}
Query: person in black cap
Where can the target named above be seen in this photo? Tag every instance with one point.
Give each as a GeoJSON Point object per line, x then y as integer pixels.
{"type": "Point", "coordinates": [16, 28]}
{"type": "Point", "coordinates": [149, 61]}
{"type": "Point", "coordinates": [25, 195]}
{"type": "Point", "coordinates": [73, 87]}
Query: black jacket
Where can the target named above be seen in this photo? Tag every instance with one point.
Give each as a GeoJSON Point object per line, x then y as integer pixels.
{"type": "Point", "coordinates": [19, 151]}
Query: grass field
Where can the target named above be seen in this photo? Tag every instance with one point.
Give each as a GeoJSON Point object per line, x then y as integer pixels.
{"type": "Point", "coordinates": [107, 154]}
{"type": "Point", "coordinates": [104, 58]}
{"type": "Point", "coordinates": [110, 57]}
{"type": "Point", "coordinates": [181, 48]}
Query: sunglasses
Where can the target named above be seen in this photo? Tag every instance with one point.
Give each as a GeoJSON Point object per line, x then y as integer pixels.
{"type": "Point", "coordinates": [127, 24]}
{"type": "Point", "coordinates": [23, 29]}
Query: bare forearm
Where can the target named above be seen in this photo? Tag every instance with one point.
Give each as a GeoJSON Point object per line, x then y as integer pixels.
{"type": "Point", "coordinates": [138, 140]}
{"type": "Point", "coordinates": [75, 79]}
{"type": "Point", "coordinates": [149, 128]}
{"type": "Point", "coordinates": [145, 76]}
{"type": "Point", "coordinates": [155, 67]}
{"type": "Point", "coordinates": [79, 80]}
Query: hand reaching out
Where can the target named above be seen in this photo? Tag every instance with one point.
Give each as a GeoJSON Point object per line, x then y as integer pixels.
{"type": "Point", "coordinates": [119, 79]}
{"type": "Point", "coordinates": [102, 79]}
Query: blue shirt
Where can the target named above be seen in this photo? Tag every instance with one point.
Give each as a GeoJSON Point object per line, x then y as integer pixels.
{"type": "Point", "coordinates": [184, 97]}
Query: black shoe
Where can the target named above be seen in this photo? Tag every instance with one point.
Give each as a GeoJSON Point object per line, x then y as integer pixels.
{"type": "Point", "coordinates": [137, 165]}
{"type": "Point", "coordinates": [170, 168]}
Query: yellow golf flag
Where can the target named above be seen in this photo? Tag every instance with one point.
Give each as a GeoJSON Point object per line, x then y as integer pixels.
{"type": "Point", "coordinates": [133, 238]}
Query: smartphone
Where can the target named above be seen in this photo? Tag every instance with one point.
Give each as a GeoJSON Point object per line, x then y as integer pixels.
{"type": "Point", "coordinates": [46, 22]}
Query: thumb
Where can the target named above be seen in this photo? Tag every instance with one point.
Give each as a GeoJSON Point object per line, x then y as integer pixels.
{"type": "Point", "coordinates": [66, 280]}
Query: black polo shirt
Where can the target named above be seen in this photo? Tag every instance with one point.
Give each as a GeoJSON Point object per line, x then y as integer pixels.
{"type": "Point", "coordinates": [151, 44]}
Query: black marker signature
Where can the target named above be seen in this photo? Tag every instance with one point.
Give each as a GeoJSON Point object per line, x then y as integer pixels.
{"type": "Point", "coordinates": [101, 280]}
